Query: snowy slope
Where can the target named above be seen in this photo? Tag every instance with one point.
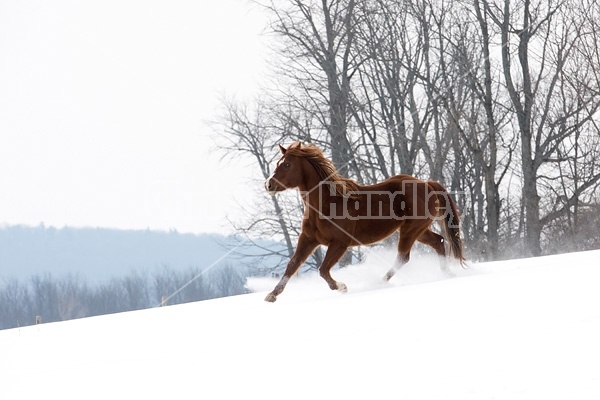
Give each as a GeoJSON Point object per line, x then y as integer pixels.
{"type": "Point", "coordinates": [523, 329]}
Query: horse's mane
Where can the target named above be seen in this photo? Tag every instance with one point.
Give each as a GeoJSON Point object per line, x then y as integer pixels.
{"type": "Point", "coordinates": [325, 169]}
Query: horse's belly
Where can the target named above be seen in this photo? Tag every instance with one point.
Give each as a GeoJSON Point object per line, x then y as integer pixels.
{"type": "Point", "coordinates": [373, 231]}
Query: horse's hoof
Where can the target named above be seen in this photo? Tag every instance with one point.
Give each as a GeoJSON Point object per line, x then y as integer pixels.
{"type": "Point", "coordinates": [271, 298]}
{"type": "Point", "coordinates": [389, 275]}
{"type": "Point", "coordinates": [342, 287]}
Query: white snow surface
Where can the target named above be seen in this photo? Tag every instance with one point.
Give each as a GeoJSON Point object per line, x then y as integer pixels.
{"type": "Point", "coordinates": [521, 329]}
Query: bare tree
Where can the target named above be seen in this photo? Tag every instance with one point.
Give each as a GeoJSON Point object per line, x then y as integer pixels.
{"type": "Point", "coordinates": [256, 133]}
{"type": "Point", "coordinates": [383, 103]}
{"type": "Point", "coordinates": [318, 42]}
{"type": "Point", "coordinates": [16, 308]}
{"type": "Point", "coordinates": [545, 116]}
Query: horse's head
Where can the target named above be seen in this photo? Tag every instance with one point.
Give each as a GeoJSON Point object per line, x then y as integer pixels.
{"type": "Point", "coordinates": [288, 173]}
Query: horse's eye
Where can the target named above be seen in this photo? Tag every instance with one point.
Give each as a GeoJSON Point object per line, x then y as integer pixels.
{"type": "Point", "coordinates": [287, 165]}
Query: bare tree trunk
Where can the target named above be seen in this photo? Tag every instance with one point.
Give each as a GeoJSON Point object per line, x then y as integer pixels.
{"type": "Point", "coordinates": [489, 166]}
{"type": "Point", "coordinates": [523, 106]}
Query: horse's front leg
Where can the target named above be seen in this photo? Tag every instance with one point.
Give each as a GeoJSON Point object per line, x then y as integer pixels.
{"type": "Point", "coordinates": [333, 255]}
{"type": "Point", "coordinates": [304, 249]}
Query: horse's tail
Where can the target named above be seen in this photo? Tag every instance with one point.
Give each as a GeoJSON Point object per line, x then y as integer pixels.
{"type": "Point", "coordinates": [451, 223]}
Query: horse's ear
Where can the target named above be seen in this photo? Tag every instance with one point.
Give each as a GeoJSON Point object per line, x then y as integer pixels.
{"type": "Point", "coordinates": [296, 145]}
{"type": "Point", "coordinates": [282, 149]}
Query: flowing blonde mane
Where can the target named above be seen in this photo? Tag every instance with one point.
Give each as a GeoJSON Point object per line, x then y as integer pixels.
{"type": "Point", "coordinates": [325, 169]}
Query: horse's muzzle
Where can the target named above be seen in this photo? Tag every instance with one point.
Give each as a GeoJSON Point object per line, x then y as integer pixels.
{"type": "Point", "coordinates": [270, 187]}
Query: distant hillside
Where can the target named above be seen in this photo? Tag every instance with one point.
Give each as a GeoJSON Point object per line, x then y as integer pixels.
{"type": "Point", "coordinates": [97, 254]}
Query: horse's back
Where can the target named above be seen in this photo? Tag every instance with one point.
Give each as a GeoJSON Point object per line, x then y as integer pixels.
{"type": "Point", "coordinates": [411, 198]}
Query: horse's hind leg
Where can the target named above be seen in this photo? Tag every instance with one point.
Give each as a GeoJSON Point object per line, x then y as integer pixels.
{"type": "Point", "coordinates": [401, 260]}
{"type": "Point", "coordinates": [333, 255]}
{"type": "Point", "coordinates": [436, 242]}
{"type": "Point", "coordinates": [406, 239]}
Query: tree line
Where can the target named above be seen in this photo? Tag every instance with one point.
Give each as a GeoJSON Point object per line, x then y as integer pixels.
{"type": "Point", "coordinates": [497, 100]}
{"type": "Point", "coordinates": [68, 297]}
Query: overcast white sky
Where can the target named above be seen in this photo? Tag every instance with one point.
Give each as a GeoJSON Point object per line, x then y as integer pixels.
{"type": "Point", "coordinates": [102, 110]}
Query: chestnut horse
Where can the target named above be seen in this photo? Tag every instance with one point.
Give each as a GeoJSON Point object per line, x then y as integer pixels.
{"type": "Point", "coordinates": [339, 213]}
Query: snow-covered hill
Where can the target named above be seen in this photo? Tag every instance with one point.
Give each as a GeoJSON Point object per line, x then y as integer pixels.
{"type": "Point", "coordinates": [523, 329]}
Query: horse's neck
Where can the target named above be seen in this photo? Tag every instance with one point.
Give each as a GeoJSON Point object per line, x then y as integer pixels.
{"type": "Point", "coordinates": [314, 196]}
{"type": "Point", "coordinates": [313, 190]}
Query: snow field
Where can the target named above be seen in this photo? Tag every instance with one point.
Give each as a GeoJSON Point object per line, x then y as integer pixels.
{"type": "Point", "coordinates": [521, 329]}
